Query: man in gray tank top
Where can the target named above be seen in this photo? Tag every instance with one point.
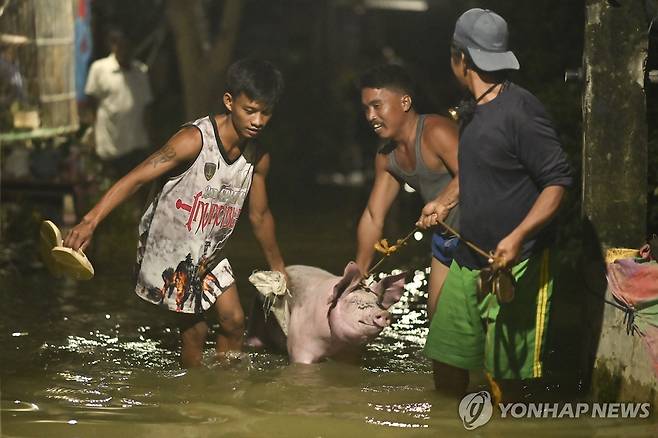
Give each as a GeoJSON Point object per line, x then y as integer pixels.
{"type": "Point", "coordinates": [421, 151]}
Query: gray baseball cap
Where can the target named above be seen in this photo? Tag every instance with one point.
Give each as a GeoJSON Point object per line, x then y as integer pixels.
{"type": "Point", "coordinates": [483, 33]}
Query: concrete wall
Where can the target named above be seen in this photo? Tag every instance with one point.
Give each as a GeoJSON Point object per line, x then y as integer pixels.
{"type": "Point", "coordinates": [622, 369]}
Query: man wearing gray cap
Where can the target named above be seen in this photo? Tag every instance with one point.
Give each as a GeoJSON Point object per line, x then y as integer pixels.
{"type": "Point", "coordinates": [513, 175]}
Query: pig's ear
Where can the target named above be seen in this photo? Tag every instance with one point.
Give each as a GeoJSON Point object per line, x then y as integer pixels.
{"type": "Point", "coordinates": [351, 278]}
{"type": "Point", "coordinates": [390, 289]}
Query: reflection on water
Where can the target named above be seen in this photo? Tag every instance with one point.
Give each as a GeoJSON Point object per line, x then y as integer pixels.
{"type": "Point", "coordinates": [81, 357]}
{"type": "Point", "coordinates": [91, 359]}
{"type": "Point", "coordinates": [99, 371]}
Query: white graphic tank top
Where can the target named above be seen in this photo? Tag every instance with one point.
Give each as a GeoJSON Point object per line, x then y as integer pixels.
{"type": "Point", "coordinates": [183, 231]}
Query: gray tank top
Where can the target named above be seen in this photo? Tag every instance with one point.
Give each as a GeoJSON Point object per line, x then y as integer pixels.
{"type": "Point", "coordinates": [428, 183]}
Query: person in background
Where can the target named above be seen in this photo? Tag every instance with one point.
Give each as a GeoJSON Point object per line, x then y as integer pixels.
{"type": "Point", "coordinates": [119, 93]}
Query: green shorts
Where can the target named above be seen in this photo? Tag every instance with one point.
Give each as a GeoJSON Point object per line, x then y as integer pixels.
{"type": "Point", "coordinates": [507, 339]}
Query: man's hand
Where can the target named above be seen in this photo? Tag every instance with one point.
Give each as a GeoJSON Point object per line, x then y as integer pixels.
{"type": "Point", "coordinates": [285, 275]}
{"type": "Point", "coordinates": [80, 236]}
{"type": "Point", "coordinates": [507, 251]}
{"type": "Point", "coordinates": [431, 214]}
{"type": "Point", "coordinates": [260, 216]}
{"type": "Point", "coordinates": [543, 210]}
{"type": "Point", "coordinates": [279, 267]}
{"type": "Point", "coordinates": [182, 148]}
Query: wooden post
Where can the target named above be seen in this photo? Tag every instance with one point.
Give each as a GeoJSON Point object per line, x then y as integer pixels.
{"type": "Point", "coordinates": [202, 60]}
{"type": "Point", "coordinates": [614, 122]}
{"type": "Point", "coordinates": [615, 184]}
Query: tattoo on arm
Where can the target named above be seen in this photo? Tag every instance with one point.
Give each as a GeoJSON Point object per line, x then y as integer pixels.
{"type": "Point", "coordinates": [167, 153]}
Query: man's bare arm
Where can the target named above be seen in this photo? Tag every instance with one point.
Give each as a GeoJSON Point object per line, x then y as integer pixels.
{"type": "Point", "coordinates": [542, 211]}
{"type": "Point", "coordinates": [183, 147]}
{"type": "Point", "coordinates": [261, 217]}
{"type": "Point", "coordinates": [371, 224]}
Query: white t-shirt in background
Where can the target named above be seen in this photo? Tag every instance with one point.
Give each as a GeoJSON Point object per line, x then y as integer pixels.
{"type": "Point", "coordinates": [122, 97]}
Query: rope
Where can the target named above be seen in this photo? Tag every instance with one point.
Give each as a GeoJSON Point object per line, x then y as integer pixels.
{"type": "Point", "coordinates": [629, 311]}
{"type": "Point", "coordinates": [474, 247]}
{"type": "Point", "coordinates": [388, 250]}
{"type": "Point", "coordinates": [382, 245]}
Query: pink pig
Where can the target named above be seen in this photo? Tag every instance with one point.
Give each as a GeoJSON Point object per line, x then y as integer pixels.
{"type": "Point", "coordinates": [330, 315]}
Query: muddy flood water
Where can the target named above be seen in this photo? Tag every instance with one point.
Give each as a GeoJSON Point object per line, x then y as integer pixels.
{"type": "Point", "coordinates": [90, 359]}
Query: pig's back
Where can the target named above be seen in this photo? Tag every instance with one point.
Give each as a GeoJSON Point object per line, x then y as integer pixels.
{"type": "Point", "coordinates": [309, 281]}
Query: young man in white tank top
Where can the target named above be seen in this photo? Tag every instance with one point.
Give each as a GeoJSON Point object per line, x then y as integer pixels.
{"type": "Point", "coordinates": [215, 163]}
{"type": "Point", "coordinates": [421, 151]}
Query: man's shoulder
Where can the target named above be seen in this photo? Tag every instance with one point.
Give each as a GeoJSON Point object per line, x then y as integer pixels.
{"type": "Point", "coordinates": [437, 122]}
{"type": "Point", "coordinates": [523, 99]}
{"type": "Point", "coordinates": [201, 120]}
{"type": "Point", "coordinates": [104, 63]}
{"type": "Point", "coordinates": [439, 129]}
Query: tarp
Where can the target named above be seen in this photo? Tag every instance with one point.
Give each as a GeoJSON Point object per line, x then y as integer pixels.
{"type": "Point", "coordinates": [83, 47]}
{"type": "Point", "coordinates": [634, 284]}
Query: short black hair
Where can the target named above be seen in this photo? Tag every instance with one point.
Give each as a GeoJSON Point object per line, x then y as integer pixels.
{"type": "Point", "coordinates": [255, 78]}
{"type": "Point", "coordinates": [456, 51]}
{"type": "Point", "coordinates": [390, 76]}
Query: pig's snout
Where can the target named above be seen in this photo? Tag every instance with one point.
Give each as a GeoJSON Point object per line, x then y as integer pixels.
{"type": "Point", "coordinates": [382, 319]}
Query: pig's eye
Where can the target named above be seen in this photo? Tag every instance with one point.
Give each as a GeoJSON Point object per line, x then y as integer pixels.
{"type": "Point", "coordinates": [362, 305]}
